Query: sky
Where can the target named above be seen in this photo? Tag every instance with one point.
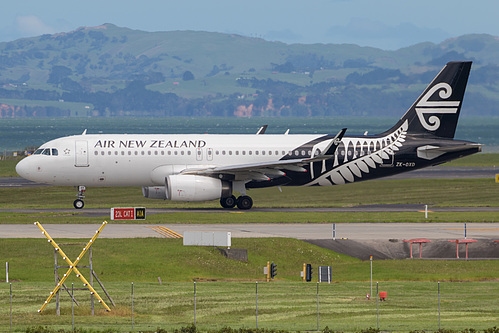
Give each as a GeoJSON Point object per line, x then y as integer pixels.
{"type": "Point", "coordinates": [385, 24]}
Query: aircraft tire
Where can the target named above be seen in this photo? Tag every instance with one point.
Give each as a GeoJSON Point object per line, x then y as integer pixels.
{"type": "Point", "coordinates": [244, 202]}
{"type": "Point", "coordinates": [229, 202]}
{"type": "Point", "coordinates": [78, 204]}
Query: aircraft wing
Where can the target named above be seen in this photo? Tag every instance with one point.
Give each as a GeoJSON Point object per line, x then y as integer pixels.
{"type": "Point", "coordinates": [262, 171]}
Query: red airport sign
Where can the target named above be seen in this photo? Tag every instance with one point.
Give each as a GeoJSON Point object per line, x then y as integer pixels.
{"type": "Point", "coordinates": [130, 213]}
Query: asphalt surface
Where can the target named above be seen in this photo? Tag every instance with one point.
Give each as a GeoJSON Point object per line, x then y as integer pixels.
{"type": "Point", "coordinates": [305, 231]}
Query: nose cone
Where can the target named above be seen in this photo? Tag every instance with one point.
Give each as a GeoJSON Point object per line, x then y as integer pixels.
{"type": "Point", "coordinates": [23, 168]}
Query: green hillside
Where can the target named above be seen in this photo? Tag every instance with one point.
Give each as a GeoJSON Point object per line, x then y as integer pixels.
{"type": "Point", "coordinates": [117, 71]}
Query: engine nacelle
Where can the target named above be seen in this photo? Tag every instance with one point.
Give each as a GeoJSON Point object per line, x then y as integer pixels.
{"type": "Point", "coordinates": [196, 188]}
{"type": "Point", "coordinates": [154, 192]}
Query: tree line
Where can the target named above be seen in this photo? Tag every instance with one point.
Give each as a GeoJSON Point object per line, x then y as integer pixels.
{"type": "Point", "coordinates": [368, 94]}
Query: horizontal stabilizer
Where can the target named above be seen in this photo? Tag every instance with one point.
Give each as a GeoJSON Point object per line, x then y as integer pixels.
{"type": "Point", "coordinates": [430, 152]}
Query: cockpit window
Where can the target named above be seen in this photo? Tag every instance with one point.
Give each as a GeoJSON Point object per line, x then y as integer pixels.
{"type": "Point", "coordinates": [47, 151]}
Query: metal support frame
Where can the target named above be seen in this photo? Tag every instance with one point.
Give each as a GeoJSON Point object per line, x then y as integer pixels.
{"type": "Point", "coordinates": [92, 276]}
{"type": "Point", "coordinates": [460, 241]}
{"type": "Point", "coordinates": [72, 266]}
{"type": "Point", "coordinates": [419, 241]}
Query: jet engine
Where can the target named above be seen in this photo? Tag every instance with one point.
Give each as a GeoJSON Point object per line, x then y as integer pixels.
{"type": "Point", "coordinates": [189, 188]}
{"type": "Point", "coordinates": [196, 188]}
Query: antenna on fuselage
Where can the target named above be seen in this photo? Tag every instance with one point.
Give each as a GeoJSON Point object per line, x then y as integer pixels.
{"type": "Point", "coordinates": [84, 132]}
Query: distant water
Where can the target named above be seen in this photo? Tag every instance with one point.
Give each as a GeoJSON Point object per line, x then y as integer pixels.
{"type": "Point", "coordinates": [19, 134]}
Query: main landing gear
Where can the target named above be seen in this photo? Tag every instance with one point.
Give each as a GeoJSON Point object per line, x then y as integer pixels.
{"type": "Point", "coordinates": [244, 202]}
{"type": "Point", "coordinates": [78, 203]}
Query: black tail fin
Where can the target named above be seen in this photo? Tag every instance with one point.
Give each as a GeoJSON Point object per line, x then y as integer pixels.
{"type": "Point", "coordinates": [436, 111]}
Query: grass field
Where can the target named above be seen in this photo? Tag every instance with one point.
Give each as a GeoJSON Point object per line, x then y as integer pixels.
{"type": "Point", "coordinates": [410, 306]}
{"type": "Point", "coordinates": [226, 289]}
{"type": "Point", "coordinates": [146, 259]}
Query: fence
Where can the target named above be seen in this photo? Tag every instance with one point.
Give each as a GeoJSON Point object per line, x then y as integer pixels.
{"type": "Point", "coordinates": [278, 305]}
{"type": "Point", "coordinates": [8, 155]}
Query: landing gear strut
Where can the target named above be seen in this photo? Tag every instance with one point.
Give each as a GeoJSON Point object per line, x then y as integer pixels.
{"type": "Point", "coordinates": [244, 202]}
{"type": "Point", "coordinates": [78, 203]}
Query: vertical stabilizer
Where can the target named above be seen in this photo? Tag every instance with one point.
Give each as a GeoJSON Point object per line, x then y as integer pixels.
{"type": "Point", "coordinates": [436, 111]}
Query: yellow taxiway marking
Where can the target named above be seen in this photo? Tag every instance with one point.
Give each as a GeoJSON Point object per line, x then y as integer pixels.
{"type": "Point", "coordinates": [168, 233]}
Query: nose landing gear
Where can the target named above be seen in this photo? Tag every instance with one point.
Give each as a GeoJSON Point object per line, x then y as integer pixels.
{"type": "Point", "coordinates": [78, 203]}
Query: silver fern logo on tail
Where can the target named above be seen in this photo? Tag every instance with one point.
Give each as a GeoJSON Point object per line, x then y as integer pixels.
{"type": "Point", "coordinates": [425, 106]}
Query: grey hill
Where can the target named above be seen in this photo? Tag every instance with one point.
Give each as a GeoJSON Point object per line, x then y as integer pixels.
{"type": "Point", "coordinates": [115, 71]}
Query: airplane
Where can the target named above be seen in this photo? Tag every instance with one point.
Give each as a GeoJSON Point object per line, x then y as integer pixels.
{"type": "Point", "coordinates": [202, 167]}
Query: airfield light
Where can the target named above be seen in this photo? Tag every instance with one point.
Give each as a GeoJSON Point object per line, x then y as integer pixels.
{"type": "Point", "coordinates": [273, 270]}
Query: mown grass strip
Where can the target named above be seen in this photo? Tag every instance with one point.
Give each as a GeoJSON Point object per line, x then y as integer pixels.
{"type": "Point", "coordinates": [259, 217]}
{"type": "Point", "coordinates": [291, 306]}
{"type": "Point", "coordinates": [146, 259]}
{"type": "Point", "coordinates": [438, 192]}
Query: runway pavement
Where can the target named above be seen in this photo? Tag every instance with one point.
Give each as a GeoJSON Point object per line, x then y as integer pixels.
{"type": "Point", "coordinates": [353, 231]}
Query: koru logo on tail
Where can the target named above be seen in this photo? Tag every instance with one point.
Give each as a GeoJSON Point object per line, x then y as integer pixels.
{"type": "Point", "coordinates": [436, 107]}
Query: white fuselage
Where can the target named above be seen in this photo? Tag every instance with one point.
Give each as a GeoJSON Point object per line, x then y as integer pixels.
{"type": "Point", "coordinates": [146, 159]}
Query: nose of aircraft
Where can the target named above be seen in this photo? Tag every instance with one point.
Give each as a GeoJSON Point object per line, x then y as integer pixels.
{"type": "Point", "coordinates": [23, 168]}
